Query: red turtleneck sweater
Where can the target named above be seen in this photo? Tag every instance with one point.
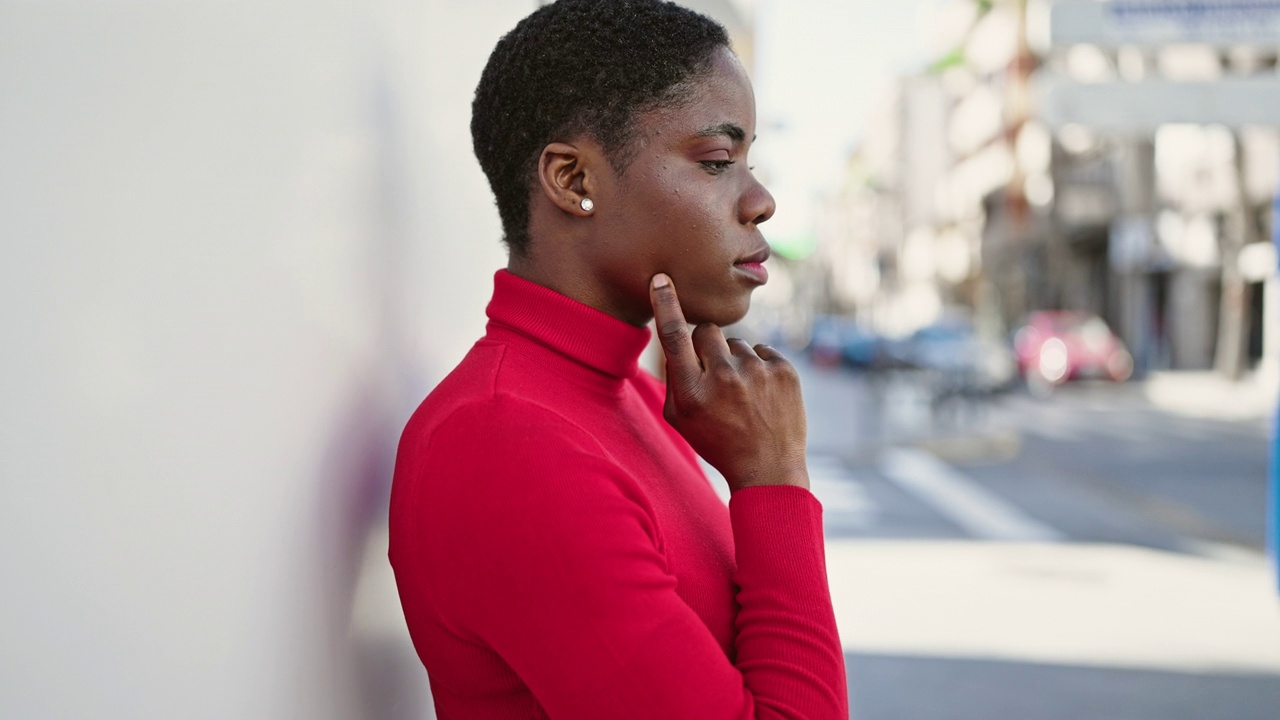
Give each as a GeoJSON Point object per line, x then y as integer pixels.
{"type": "Point", "coordinates": [560, 554]}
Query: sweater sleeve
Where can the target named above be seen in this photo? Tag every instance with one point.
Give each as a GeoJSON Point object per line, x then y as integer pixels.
{"type": "Point", "coordinates": [539, 547]}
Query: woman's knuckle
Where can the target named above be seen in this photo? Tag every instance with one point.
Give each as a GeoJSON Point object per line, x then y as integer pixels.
{"type": "Point", "coordinates": [674, 330]}
{"type": "Point", "coordinates": [724, 371]}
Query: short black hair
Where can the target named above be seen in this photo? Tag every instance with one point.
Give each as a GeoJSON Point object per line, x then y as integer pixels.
{"type": "Point", "coordinates": [580, 67]}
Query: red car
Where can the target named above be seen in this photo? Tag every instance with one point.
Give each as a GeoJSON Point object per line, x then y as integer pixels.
{"type": "Point", "coordinates": [1057, 346]}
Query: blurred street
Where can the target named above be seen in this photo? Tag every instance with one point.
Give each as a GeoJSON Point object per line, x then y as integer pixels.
{"type": "Point", "coordinates": [1098, 463]}
{"type": "Point", "coordinates": [1095, 554]}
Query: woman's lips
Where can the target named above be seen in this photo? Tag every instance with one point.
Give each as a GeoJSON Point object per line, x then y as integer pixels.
{"type": "Point", "coordinates": [754, 270]}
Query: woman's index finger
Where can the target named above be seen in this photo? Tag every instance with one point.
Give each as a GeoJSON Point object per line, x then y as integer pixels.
{"type": "Point", "coordinates": [673, 330]}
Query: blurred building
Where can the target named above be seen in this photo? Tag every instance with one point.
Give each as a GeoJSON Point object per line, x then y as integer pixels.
{"type": "Point", "coordinates": [1118, 157]}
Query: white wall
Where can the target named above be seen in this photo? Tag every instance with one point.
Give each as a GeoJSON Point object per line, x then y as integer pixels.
{"type": "Point", "coordinates": [238, 243]}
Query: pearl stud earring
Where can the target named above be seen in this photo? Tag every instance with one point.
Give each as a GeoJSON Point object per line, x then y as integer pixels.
{"type": "Point", "coordinates": [588, 205]}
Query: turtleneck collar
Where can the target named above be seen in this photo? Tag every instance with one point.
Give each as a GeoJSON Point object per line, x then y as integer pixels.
{"type": "Point", "coordinates": [579, 332]}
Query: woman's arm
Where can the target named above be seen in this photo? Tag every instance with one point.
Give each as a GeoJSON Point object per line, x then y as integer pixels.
{"type": "Point", "coordinates": [549, 554]}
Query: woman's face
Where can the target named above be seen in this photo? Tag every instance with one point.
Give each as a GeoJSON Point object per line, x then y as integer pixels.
{"type": "Point", "coordinates": [688, 205]}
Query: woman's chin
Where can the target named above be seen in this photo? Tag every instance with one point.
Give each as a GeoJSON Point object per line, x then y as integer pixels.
{"type": "Point", "coordinates": [721, 314]}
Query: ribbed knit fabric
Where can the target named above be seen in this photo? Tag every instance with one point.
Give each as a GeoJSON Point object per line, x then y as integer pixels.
{"type": "Point", "coordinates": [560, 554]}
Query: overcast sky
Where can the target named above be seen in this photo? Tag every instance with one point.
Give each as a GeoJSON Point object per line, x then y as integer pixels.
{"type": "Point", "coordinates": [820, 67]}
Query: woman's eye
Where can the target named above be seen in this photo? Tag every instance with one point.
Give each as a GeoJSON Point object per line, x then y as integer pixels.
{"type": "Point", "coordinates": [717, 166]}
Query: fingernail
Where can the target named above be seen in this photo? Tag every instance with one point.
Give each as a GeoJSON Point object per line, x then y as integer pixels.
{"type": "Point", "coordinates": [660, 281]}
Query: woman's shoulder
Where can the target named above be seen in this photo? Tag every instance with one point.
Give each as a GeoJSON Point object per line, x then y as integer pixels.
{"type": "Point", "coordinates": [492, 422]}
{"type": "Point", "coordinates": [501, 462]}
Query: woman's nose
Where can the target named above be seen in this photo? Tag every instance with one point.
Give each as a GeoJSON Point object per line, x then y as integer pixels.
{"type": "Point", "coordinates": [756, 205]}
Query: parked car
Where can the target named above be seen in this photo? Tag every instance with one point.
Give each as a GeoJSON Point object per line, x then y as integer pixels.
{"type": "Point", "coordinates": [953, 348]}
{"type": "Point", "coordinates": [1056, 346]}
{"type": "Point", "coordinates": [860, 347]}
{"type": "Point", "coordinates": [824, 341]}
{"type": "Point", "coordinates": [843, 341]}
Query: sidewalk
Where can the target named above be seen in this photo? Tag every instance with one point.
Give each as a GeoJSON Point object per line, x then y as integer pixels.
{"type": "Point", "coordinates": [1209, 395]}
{"type": "Point", "coordinates": [1092, 605]}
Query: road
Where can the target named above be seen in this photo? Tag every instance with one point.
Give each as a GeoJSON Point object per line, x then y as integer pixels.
{"type": "Point", "coordinates": [1092, 555]}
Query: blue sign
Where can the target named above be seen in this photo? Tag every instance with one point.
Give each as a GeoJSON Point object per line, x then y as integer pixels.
{"type": "Point", "coordinates": [1154, 23]}
{"type": "Point", "coordinates": [1273, 525]}
{"type": "Point", "coordinates": [1222, 20]}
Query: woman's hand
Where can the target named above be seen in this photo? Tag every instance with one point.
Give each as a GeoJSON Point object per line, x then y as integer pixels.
{"type": "Point", "coordinates": [738, 407]}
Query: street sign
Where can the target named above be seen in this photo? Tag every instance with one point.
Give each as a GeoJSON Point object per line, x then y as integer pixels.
{"type": "Point", "coordinates": [1148, 23]}
{"type": "Point", "coordinates": [1141, 107]}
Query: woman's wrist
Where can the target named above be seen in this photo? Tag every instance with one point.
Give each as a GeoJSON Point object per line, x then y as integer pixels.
{"type": "Point", "coordinates": [793, 476]}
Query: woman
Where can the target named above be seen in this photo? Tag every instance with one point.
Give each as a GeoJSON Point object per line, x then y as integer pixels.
{"type": "Point", "coordinates": [559, 553]}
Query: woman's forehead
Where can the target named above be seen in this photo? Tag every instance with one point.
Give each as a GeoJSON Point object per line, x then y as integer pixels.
{"type": "Point", "coordinates": [719, 103]}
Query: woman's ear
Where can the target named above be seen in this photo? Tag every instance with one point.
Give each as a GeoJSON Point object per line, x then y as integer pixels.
{"type": "Point", "coordinates": [566, 173]}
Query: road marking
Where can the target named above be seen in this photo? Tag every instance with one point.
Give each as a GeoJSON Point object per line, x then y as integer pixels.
{"type": "Point", "coordinates": [840, 491]}
{"type": "Point", "coordinates": [950, 493]}
{"type": "Point", "coordinates": [830, 481]}
{"type": "Point", "coordinates": [1228, 553]}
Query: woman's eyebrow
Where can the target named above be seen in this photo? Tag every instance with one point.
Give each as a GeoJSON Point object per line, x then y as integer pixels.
{"type": "Point", "coordinates": [729, 130]}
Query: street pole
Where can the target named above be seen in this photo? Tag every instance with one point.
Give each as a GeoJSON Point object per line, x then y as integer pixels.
{"type": "Point", "coordinates": [1273, 527]}
{"type": "Point", "coordinates": [1273, 524]}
